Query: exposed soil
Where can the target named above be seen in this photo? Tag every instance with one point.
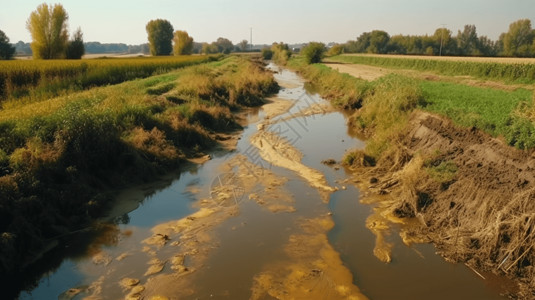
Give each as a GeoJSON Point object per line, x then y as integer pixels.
{"type": "Point", "coordinates": [481, 213]}
{"type": "Point", "coordinates": [371, 73]}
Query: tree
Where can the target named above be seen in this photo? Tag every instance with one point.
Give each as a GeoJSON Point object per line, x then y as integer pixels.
{"type": "Point", "coordinates": [243, 45]}
{"type": "Point", "coordinates": [444, 43]}
{"type": "Point", "coordinates": [183, 43]}
{"type": "Point", "coordinates": [518, 41]}
{"type": "Point", "coordinates": [75, 47]}
{"type": "Point", "coordinates": [160, 35]}
{"type": "Point", "coordinates": [363, 42]}
{"type": "Point", "coordinates": [48, 28]}
{"type": "Point", "coordinates": [6, 50]}
{"type": "Point", "coordinates": [209, 48]}
{"type": "Point", "coordinates": [378, 42]}
{"type": "Point", "coordinates": [314, 52]}
{"type": "Point", "coordinates": [486, 47]}
{"type": "Point", "coordinates": [467, 41]}
{"type": "Point", "coordinates": [224, 45]}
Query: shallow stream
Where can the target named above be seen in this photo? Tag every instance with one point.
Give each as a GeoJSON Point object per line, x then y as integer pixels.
{"type": "Point", "coordinates": [250, 234]}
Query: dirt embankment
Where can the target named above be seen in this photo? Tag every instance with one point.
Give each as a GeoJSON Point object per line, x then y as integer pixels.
{"type": "Point", "coordinates": [470, 194]}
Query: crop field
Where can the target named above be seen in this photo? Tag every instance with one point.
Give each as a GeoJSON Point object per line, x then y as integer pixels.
{"type": "Point", "coordinates": [33, 80]}
{"type": "Point", "coordinates": [514, 70]}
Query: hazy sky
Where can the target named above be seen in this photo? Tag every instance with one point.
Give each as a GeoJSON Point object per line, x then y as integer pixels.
{"type": "Point", "coordinates": [291, 21]}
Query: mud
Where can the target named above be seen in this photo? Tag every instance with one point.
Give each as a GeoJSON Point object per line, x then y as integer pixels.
{"type": "Point", "coordinates": [313, 269]}
{"type": "Point", "coordinates": [481, 216]}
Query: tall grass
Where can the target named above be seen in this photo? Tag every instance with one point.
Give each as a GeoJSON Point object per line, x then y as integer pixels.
{"type": "Point", "coordinates": [57, 156]}
{"type": "Point", "coordinates": [518, 73]}
{"type": "Point", "coordinates": [39, 79]}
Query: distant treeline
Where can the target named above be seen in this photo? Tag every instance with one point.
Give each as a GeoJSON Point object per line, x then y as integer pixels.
{"type": "Point", "coordinates": [22, 48]}
{"type": "Point", "coordinates": [519, 41]}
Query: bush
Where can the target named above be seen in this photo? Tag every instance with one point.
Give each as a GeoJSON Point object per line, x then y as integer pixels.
{"type": "Point", "coordinates": [314, 52]}
{"type": "Point", "coordinates": [267, 54]}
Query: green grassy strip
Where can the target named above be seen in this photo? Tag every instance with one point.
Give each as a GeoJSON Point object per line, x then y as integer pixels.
{"type": "Point", "coordinates": [514, 73]}
{"type": "Point", "coordinates": [493, 111]}
{"type": "Point", "coordinates": [386, 102]}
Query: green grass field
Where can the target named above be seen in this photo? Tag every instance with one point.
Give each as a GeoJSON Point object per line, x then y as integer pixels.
{"type": "Point", "coordinates": [499, 69]}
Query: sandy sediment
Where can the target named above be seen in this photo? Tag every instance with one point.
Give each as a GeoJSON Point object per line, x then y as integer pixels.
{"type": "Point", "coordinates": [279, 152]}
{"type": "Point", "coordinates": [311, 270]}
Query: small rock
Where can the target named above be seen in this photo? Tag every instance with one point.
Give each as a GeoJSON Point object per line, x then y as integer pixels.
{"type": "Point", "coordinates": [129, 282]}
{"type": "Point", "coordinates": [374, 180]}
{"type": "Point", "coordinates": [344, 187]}
{"type": "Point", "coordinates": [328, 162]}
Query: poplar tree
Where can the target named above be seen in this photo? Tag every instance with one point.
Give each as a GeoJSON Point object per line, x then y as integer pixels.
{"type": "Point", "coordinates": [48, 28]}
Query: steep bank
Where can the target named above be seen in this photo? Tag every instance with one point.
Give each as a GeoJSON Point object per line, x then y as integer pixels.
{"type": "Point", "coordinates": [460, 188]}
{"type": "Point", "coordinates": [472, 195]}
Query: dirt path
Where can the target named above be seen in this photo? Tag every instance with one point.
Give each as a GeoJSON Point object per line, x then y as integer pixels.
{"type": "Point", "coordinates": [371, 73]}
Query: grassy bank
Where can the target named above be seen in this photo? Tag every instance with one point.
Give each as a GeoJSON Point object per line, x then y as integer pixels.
{"type": "Point", "coordinates": [469, 194]}
{"type": "Point", "coordinates": [513, 73]}
{"type": "Point", "coordinates": [35, 80]}
{"type": "Point", "coordinates": [385, 104]}
{"type": "Point", "coordinates": [59, 157]}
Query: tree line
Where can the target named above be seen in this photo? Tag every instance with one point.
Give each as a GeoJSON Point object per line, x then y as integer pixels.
{"type": "Point", "coordinates": [50, 39]}
{"type": "Point", "coordinates": [518, 41]}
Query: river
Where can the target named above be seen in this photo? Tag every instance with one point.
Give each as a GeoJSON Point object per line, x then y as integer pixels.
{"type": "Point", "coordinates": [264, 221]}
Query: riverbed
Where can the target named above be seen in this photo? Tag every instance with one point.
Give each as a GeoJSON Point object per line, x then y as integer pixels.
{"type": "Point", "coordinates": [267, 220]}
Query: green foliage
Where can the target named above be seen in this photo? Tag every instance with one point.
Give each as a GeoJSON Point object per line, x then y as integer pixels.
{"type": "Point", "coordinates": [75, 47]}
{"type": "Point", "coordinates": [160, 35]}
{"type": "Point", "coordinates": [267, 54]}
{"type": "Point", "coordinates": [48, 27]}
{"type": "Point", "coordinates": [441, 171]}
{"type": "Point", "coordinates": [183, 43]}
{"type": "Point", "coordinates": [314, 52]}
{"type": "Point", "coordinates": [224, 45]}
{"type": "Point", "coordinates": [336, 50]}
{"type": "Point", "coordinates": [519, 39]}
{"type": "Point", "coordinates": [522, 73]}
{"type": "Point", "coordinates": [281, 53]}
{"type": "Point", "coordinates": [378, 42]}
{"type": "Point", "coordinates": [6, 50]}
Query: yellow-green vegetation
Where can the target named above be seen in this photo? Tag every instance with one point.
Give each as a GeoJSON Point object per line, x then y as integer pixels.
{"type": "Point", "coordinates": [58, 156]}
{"type": "Point", "coordinates": [384, 105]}
{"type": "Point", "coordinates": [510, 72]}
{"type": "Point", "coordinates": [35, 80]}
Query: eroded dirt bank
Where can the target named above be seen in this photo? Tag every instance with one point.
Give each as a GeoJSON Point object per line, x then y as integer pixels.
{"type": "Point", "coordinates": [470, 194]}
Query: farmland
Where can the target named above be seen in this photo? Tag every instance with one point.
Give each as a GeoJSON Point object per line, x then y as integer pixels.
{"type": "Point", "coordinates": [35, 80]}
{"type": "Point", "coordinates": [511, 70]}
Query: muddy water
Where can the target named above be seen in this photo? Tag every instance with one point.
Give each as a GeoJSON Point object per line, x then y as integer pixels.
{"type": "Point", "coordinates": [228, 259]}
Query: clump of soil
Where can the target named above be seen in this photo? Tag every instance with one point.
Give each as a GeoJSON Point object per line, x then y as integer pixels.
{"type": "Point", "coordinates": [470, 194]}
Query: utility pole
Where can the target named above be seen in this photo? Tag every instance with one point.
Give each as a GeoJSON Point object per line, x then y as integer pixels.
{"type": "Point", "coordinates": [251, 40]}
{"type": "Point", "coordinates": [441, 38]}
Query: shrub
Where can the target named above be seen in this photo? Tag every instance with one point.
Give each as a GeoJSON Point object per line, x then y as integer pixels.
{"type": "Point", "coordinates": [267, 54]}
{"type": "Point", "coordinates": [314, 52]}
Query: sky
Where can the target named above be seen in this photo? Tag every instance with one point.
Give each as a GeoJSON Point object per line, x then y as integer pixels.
{"type": "Point", "coordinates": [289, 21]}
